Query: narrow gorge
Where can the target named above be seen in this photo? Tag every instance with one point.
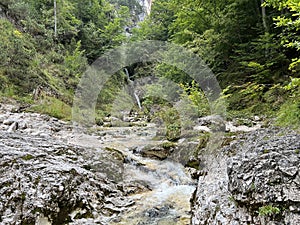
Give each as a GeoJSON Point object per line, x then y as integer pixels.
{"type": "Point", "coordinates": [132, 175]}
{"type": "Point", "coordinates": [149, 112]}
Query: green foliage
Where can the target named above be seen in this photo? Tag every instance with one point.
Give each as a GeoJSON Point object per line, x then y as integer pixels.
{"type": "Point", "coordinates": [268, 210]}
{"type": "Point", "coordinates": [293, 86]}
{"type": "Point", "coordinates": [27, 157]}
{"type": "Point", "coordinates": [197, 98]}
{"type": "Point", "coordinates": [33, 57]}
{"type": "Point", "coordinates": [261, 61]}
{"type": "Point", "coordinates": [103, 27]}
{"type": "Point", "coordinates": [171, 73]}
{"type": "Point", "coordinates": [111, 91]}
{"type": "Point", "coordinates": [53, 107]}
{"type": "Point", "coordinates": [241, 44]}
{"type": "Point", "coordinates": [289, 25]}
{"type": "Point", "coordinates": [243, 96]}
{"type": "Point", "coordinates": [154, 96]}
{"type": "Point", "coordinates": [237, 40]}
{"type": "Point", "coordinates": [253, 98]}
{"type": "Point", "coordinates": [172, 122]}
{"type": "Point", "coordinates": [75, 62]}
{"type": "Point", "coordinates": [16, 51]}
{"type": "Point", "coordinates": [289, 113]}
{"type": "Point", "coordinates": [156, 26]}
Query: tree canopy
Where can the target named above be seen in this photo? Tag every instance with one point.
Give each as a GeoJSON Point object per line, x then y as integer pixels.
{"type": "Point", "coordinates": [251, 46]}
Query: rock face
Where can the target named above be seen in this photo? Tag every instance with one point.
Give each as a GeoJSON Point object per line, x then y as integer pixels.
{"type": "Point", "coordinates": [255, 180]}
{"type": "Point", "coordinates": [43, 179]}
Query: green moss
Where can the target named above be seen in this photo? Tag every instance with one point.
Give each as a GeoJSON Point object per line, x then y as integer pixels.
{"type": "Point", "coordinates": [168, 144]}
{"type": "Point", "coordinates": [203, 140]}
{"type": "Point", "coordinates": [37, 180]}
{"type": "Point", "coordinates": [23, 196]}
{"type": "Point", "coordinates": [193, 164]}
{"type": "Point", "coordinates": [268, 210]}
{"type": "Point", "coordinates": [27, 157]}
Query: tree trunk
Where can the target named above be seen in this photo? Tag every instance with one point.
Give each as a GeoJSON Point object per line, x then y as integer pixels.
{"type": "Point", "coordinates": [264, 17]}
{"type": "Point", "coordinates": [55, 20]}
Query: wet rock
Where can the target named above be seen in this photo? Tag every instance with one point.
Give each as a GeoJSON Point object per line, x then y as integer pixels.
{"type": "Point", "coordinates": [202, 128]}
{"type": "Point", "coordinates": [160, 151]}
{"type": "Point", "coordinates": [2, 118]}
{"type": "Point", "coordinates": [158, 211]}
{"type": "Point", "coordinates": [213, 123]}
{"type": "Point", "coordinates": [186, 153]}
{"type": "Point", "coordinates": [23, 125]}
{"type": "Point", "coordinates": [44, 179]}
{"type": "Point", "coordinates": [9, 122]}
{"type": "Point", "coordinates": [116, 154]}
{"type": "Point", "coordinates": [13, 127]}
{"type": "Point", "coordinates": [155, 152]}
{"type": "Point", "coordinates": [135, 188]}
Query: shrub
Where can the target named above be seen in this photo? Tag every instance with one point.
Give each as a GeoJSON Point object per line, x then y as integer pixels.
{"type": "Point", "coordinates": [289, 113]}
{"type": "Point", "coordinates": [268, 210]}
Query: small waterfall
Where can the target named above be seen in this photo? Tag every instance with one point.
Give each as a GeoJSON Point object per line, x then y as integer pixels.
{"type": "Point", "coordinates": [127, 74]}
{"type": "Point", "coordinates": [132, 91]}
{"type": "Point", "coordinates": [137, 100]}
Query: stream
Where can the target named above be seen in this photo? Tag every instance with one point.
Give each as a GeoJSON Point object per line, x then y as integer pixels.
{"type": "Point", "coordinates": [94, 176]}
{"type": "Point", "coordinates": [168, 186]}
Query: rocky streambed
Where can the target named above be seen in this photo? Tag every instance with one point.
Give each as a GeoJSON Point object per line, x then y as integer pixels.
{"type": "Point", "coordinates": [53, 174]}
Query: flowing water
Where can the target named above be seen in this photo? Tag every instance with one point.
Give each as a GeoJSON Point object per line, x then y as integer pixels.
{"type": "Point", "coordinates": [166, 199]}
{"type": "Point", "coordinates": [132, 91]}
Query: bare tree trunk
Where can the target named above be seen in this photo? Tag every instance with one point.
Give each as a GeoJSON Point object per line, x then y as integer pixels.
{"type": "Point", "coordinates": [55, 19]}
{"type": "Point", "coordinates": [266, 28]}
{"type": "Point", "coordinates": [264, 16]}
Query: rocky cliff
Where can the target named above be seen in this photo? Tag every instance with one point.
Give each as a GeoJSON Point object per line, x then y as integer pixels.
{"type": "Point", "coordinates": [254, 180]}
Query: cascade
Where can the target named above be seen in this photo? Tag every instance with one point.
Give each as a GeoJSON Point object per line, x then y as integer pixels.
{"type": "Point", "coordinates": [131, 89]}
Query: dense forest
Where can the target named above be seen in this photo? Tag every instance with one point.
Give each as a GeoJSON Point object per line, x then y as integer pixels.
{"type": "Point", "coordinates": [251, 46]}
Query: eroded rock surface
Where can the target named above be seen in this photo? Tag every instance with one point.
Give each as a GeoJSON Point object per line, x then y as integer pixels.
{"type": "Point", "coordinates": [51, 174]}
{"type": "Point", "coordinates": [45, 180]}
{"type": "Point", "coordinates": [40, 177]}
{"type": "Point", "coordinates": [254, 180]}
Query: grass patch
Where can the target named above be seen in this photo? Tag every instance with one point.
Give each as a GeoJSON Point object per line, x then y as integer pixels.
{"type": "Point", "coordinates": [53, 107]}
{"type": "Point", "coordinates": [289, 115]}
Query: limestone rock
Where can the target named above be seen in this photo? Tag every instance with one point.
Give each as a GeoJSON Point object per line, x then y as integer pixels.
{"type": "Point", "coordinates": [254, 180]}
{"type": "Point", "coordinates": [43, 179]}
